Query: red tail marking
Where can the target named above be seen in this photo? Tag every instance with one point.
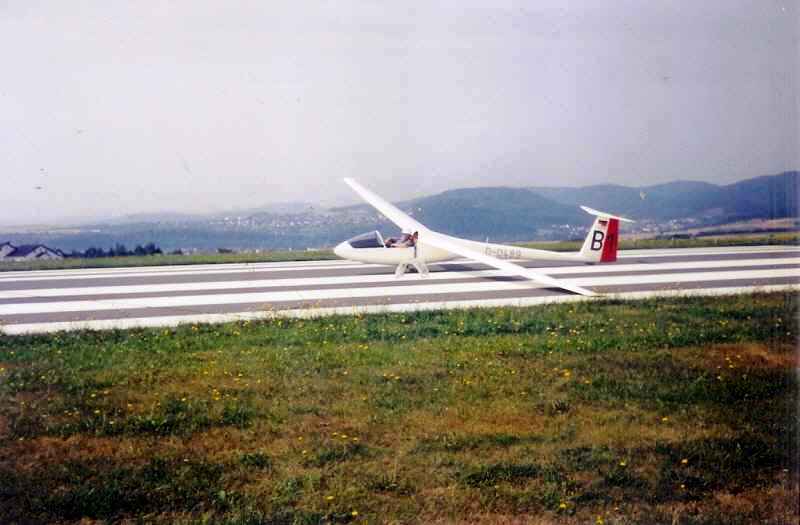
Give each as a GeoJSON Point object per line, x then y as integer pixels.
{"type": "Point", "coordinates": [610, 245]}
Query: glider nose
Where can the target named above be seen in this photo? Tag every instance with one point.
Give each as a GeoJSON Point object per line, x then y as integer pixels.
{"type": "Point", "coordinates": [342, 249]}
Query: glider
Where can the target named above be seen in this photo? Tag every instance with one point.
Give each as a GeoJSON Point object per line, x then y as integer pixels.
{"type": "Point", "coordinates": [420, 246]}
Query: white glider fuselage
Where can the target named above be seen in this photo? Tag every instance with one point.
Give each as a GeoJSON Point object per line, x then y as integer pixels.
{"type": "Point", "coordinates": [427, 254]}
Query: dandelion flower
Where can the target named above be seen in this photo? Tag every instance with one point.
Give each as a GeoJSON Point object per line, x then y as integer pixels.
{"type": "Point", "coordinates": [562, 505]}
{"type": "Point", "coordinates": [623, 463]}
{"type": "Point", "coordinates": [328, 498]}
{"type": "Point", "coordinates": [684, 461]}
{"type": "Point", "coordinates": [354, 513]}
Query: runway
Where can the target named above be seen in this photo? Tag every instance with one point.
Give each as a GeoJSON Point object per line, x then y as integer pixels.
{"type": "Point", "coordinates": [53, 300]}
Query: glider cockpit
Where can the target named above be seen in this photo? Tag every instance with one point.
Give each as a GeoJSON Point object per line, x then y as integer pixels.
{"type": "Point", "coordinates": [372, 239]}
{"type": "Point", "coordinates": [371, 247]}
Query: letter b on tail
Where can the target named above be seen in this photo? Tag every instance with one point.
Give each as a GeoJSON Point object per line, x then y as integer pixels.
{"type": "Point", "coordinates": [597, 240]}
{"type": "Point", "coordinates": [601, 243]}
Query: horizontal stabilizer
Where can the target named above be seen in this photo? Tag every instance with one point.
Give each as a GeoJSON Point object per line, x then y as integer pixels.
{"type": "Point", "coordinates": [604, 215]}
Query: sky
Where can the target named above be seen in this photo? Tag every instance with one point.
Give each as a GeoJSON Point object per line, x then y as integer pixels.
{"type": "Point", "coordinates": [110, 108]}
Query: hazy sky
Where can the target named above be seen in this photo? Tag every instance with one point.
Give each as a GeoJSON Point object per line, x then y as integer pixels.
{"type": "Point", "coordinates": [116, 107]}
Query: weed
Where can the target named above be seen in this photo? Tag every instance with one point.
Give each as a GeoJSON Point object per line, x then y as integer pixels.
{"type": "Point", "coordinates": [257, 460]}
{"type": "Point", "coordinates": [336, 453]}
{"type": "Point", "coordinates": [499, 472]}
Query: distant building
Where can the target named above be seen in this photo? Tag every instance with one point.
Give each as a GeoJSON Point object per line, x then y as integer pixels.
{"type": "Point", "coordinates": [28, 252]}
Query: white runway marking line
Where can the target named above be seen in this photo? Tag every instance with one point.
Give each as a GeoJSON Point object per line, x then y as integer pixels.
{"type": "Point", "coordinates": [422, 288]}
{"type": "Point", "coordinates": [221, 269]}
{"type": "Point", "coordinates": [253, 297]}
{"type": "Point", "coordinates": [721, 250]}
{"type": "Point", "coordinates": [48, 327]}
{"type": "Point", "coordinates": [176, 268]}
{"type": "Point", "coordinates": [199, 268]}
{"type": "Point", "coordinates": [382, 278]}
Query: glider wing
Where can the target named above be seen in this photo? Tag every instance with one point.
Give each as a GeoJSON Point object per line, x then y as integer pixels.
{"type": "Point", "coordinates": [452, 245]}
{"type": "Point", "coordinates": [406, 223]}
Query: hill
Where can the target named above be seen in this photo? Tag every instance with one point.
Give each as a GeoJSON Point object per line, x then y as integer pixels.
{"type": "Point", "coordinates": [501, 213]}
{"type": "Point", "coordinates": [766, 197]}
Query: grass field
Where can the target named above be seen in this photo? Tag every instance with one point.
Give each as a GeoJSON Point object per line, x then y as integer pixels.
{"type": "Point", "coordinates": [312, 255]}
{"type": "Point", "coordinates": [680, 410]}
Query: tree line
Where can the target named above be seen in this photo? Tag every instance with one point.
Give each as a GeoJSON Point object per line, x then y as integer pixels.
{"type": "Point", "coordinates": [120, 250]}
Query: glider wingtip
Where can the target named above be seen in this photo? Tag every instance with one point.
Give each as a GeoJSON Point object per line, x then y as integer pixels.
{"type": "Point", "coordinates": [598, 213]}
{"type": "Point", "coordinates": [582, 291]}
{"type": "Point", "coordinates": [354, 185]}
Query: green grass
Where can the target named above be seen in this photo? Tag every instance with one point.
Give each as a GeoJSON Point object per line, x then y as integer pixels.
{"type": "Point", "coordinates": [282, 256]}
{"type": "Point", "coordinates": [680, 410]}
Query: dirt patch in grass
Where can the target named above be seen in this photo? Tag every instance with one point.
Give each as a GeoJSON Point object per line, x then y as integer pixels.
{"type": "Point", "coordinates": [753, 355]}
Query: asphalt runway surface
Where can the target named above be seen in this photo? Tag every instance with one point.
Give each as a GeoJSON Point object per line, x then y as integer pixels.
{"type": "Point", "coordinates": [52, 300]}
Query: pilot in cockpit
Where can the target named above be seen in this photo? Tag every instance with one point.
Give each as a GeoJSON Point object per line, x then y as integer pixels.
{"type": "Point", "coordinates": [406, 241]}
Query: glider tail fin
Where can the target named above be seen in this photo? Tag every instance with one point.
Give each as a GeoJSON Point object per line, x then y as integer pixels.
{"type": "Point", "coordinates": [601, 243]}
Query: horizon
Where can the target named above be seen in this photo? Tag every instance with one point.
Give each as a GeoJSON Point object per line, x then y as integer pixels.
{"type": "Point", "coordinates": [353, 201]}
